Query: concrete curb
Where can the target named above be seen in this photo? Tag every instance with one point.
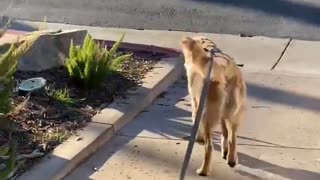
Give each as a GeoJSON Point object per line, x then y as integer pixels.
{"type": "Point", "coordinates": [104, 125]}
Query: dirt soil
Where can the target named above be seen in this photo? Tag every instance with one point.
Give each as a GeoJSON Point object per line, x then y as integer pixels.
{"type": "Point", "coordinates": [45, 123]}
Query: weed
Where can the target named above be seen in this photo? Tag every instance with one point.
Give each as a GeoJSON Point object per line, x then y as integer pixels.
{"type": "Point", "coordinates": [61, 95]}
{"type": "Point", "coordinates": [55, 136]}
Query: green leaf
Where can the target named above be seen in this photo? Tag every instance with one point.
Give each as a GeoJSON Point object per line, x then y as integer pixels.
{"type": "Point", "coordinates": [86, 41]}
{"type": "Point", "coordinates": [72, 51]}
{"type": "Point", "coordinates": [12, 155]}
{"type": "Point", "coordinates": [4, 174]}
{"type": "Point", "coordinates": [4, 150]}
{"type": "Point", "coordinates": [87, 70]}
{"type": "Point", "coordinates": [116, 46]}
{"type": "Point", "coordinates": [7, 61]}
{"type": "Point", "coordinates": [117, 62]}
{"type": "Point", "coordinates": [11, 162]}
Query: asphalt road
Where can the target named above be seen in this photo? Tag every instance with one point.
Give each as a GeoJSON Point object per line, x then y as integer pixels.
{"type": "Point", "coordinates": [273, 18]}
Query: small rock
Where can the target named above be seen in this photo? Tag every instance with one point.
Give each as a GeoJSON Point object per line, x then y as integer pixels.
{"type": "Point", "coordinates": [80, 138]}
{"type": "Point", "coordinates": [95, 169]}
{"type": "Point", "coordinates": [41, 123]}
{"type": "Point", "coordinates": [42, 147]}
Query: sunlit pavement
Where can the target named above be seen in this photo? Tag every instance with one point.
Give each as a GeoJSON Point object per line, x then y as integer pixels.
{"type": "Point", "coordinates": [278, 140]}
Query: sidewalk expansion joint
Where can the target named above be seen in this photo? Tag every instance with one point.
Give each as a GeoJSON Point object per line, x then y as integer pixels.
{"type": "Point", "coordinates": [282, 54]}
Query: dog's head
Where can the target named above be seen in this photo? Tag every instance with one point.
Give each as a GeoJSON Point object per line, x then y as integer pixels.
{"type": "Point", "coordinates": [190, 48]}
{"type": "Point", "coordinates": [188, 45]}
{"type": "Point", "coordinates": [194, 54]}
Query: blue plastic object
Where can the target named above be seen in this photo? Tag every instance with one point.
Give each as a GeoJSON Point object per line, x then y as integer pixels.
{"type": "Point", "coordinates": [32, 84]}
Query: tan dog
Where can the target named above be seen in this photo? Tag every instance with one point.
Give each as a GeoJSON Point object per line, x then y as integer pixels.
{"type": "Point", "coordinates": [225, 101]}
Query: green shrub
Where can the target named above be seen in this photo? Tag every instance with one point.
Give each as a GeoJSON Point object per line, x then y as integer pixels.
{"type": "Point", "coordinates": [90, 64]}
{"type": "Point", "coordinates": [8, 66]}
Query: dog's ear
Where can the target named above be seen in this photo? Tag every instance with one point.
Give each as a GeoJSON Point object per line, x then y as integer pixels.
{"type": "Point", "coordinates": [187, 43]}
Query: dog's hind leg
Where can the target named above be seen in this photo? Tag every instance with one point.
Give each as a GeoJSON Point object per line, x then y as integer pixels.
{"type": "Point", "coordinates": [210, 121]}
{"type": "Point", "coordinates": [224, 139]}
{"type": "Point", "coordinates": [232, 126]}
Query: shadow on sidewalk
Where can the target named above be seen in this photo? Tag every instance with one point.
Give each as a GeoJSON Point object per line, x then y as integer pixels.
{"type": "Point", "coordinates": [176, 124]}
{"type": "Point", "coordinates": [279, 96]}
{"type": "Point", "coordinates": [254, 163]}
{"type": "Point", "coordinates": [269, 144]}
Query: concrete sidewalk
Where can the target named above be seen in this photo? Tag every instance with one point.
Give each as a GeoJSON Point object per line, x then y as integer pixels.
{"type": "Point", "coordinates": [256, 53]}
{"type": "Point", "coordinates": [278, 140]}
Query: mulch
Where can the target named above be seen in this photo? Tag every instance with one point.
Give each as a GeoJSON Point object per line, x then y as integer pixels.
{"type": "Point", "coordinates": [44, 123]}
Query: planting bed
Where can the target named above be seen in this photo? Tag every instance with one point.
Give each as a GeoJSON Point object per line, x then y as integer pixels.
{"type": "Point", "coordinates": [46, 121]}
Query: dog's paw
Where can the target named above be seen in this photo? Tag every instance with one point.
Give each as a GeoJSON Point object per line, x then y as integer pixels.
{"type": "Point", "coordinates": [202, 172]}
{"type": "Point", "coordinates": [232, 164]}
{"type": "Point", "coordinates": [224, 154]}
{"type": "Point", "coordinates": [232, 160]}
{"type": "Point", "coordinates": [200, 141]}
